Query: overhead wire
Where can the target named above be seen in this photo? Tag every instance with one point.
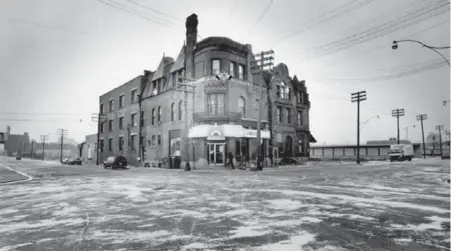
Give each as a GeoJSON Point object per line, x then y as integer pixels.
{"type": "Point", "coordinates": [235, 4]}
{"type": "Point", "coordinates": [155, 10]}
{"type": "Point", "coordinates": [387, 46]}
{"type": "Point", "coordinates": [130, 11]}
{"type": "Point", "coordinates": [263, 14]}
{"type": "Point", "coordinates": [380, 30]}
{"type": "Point", "coordinates": [335, 13]}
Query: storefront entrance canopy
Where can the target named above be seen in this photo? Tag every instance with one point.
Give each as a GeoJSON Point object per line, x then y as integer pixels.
{"type": "Point", "coordinates": [226, 130]}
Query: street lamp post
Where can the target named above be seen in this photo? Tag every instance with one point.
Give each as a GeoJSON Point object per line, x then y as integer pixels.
{"type": "Point", "coordinates": [434, 48]}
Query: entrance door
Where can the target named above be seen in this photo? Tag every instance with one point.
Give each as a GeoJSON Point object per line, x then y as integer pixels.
{"type": "Point", "coordinates": [216, 153]}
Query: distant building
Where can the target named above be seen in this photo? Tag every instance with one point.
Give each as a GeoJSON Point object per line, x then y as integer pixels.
{"type": "Point", "coordinates": [52, 151]}
{"type": "Point", "coordinates": [89, 149]}
{"type": "Point", "coordinates": [223, 117]}
{"type": "Point", "coordinates": [17, 145]}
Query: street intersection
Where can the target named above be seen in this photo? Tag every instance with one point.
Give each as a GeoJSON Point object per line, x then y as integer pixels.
{"type": "Point", "coordinates": [375, 206]}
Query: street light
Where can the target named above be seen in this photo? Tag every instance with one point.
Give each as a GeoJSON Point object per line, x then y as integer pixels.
{"type": "Point", "coordinates": [434, 48]}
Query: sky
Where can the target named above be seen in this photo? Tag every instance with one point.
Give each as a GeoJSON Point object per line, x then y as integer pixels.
{"type": "Point", "coordinates": [58, 56]}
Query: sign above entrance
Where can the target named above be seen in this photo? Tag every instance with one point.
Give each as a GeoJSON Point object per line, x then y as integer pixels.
{"type": "Point", "coordinates": [252, 133]}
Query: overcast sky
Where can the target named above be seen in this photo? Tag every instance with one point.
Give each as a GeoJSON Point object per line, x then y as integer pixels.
{"type": "Point", "coordinates": [58, 56]}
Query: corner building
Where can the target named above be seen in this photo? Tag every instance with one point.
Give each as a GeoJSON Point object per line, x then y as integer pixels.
{"type": "Point", "coordinates": [221, 117]}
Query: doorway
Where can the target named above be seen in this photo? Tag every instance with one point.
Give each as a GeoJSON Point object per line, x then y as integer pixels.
{"type": "Point", "coordinates": [216, 153]}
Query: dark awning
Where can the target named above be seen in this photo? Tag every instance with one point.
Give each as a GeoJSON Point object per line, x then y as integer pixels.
{"type": "Point", "coordinates": [311, 139]}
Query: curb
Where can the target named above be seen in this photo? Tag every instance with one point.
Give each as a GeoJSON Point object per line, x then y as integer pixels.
{"type": "Point", "coordinates": [29, 178]}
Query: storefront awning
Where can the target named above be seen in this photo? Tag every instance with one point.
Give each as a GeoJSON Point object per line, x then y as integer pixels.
{"type": "Point", "coordinates": [226, 130]}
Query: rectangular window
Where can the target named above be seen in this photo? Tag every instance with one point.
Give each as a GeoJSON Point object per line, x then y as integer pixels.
{"type": "Point", "coordinates": [241, 72]}
{"type": "Point", "coordinates": [278, 93]}
{"type": "Point", "coordinates": [159, 140]}
{"type": "Point", "coordinates": [111, 107]}
{"type": "Point", "coordinates": [238, 147]}
{"type": "Point", "coordinates": [101, 145]}
{"type": "Point", "coordinates": [121, 101]}
{"type": "Point", "coordinates": [216, 104]}
{"type": "Point", "coordinates": [279, 114]}
{"type": "Point", "coordinates": [133, 142]}
{"type": "Point", "coordinates": [110, 125]}
{"type": "Point", "coordinates": [232, 69]}
{"type": "Point", "coordinates": [121, 143]}
{"type": "Point", "coordinates": [133, 119]}
{"type": "Point", "coordinates": [141, 119]}
{"type": "Point", "coordinates": [121, 123]}
{"type": "Point", "coordinates": [215, 67]}
{"type": "Point", "coordinates": [110, 144]}
{"type": "Point", "coordinates": [101, 109]}
{"type": "Point", "coordinates": [288, 115]}
{"type": "Point", "coordinates": [300, 118]}
{"type": "Point", "coordinates": [133, 96]}
{"type": "Point", "coordinates": [102, 127]}
{"type": "Point", "coordinates": [154, 141]}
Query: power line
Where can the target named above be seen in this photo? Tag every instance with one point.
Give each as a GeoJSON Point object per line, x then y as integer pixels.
{"type": "Point", "coordinates": [42, 113]}
{"type": "Point", "coordinates": [385, 46]}
{"type": "Point", "coordinates": [125, 9]}
{"type": "Point", "coordinates": [335, 13]}
{"type": "Point", "coordinates": [413, 17]}
{"type": "Point", "coordinates": [154, 10]}
{"type": "Point", "coordinates": [263, 14]}
{"type": "Point", "coordinates": [233, 8]}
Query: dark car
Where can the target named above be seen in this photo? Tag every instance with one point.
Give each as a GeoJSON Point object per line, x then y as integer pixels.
{"type": "Point", "coordinates": [65, 161]}
{"type": "Point", "coordinates": [74, 161]}
{"type": "Point", "coordinates": [115, 162]}
{"type": "Point", "coordinates": [445, 155]}
{"type": "Point", "coordinates": [18, 158]}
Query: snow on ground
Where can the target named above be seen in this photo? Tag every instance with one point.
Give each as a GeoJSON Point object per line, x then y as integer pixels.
{"type": "Point", "coordinates": [244, 210]}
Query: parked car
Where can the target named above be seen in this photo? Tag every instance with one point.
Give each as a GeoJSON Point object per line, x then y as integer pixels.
{"type": "Point", "coordinates": [445, 155]}
{"type": "Point", "coordinates": [115, 162]}
{"type": "Point", "coordinates": [75, 161]}
{"type": "Point", "coordinates": [65, 161]}
{"type": "Point", "coordinates": [18, 158]}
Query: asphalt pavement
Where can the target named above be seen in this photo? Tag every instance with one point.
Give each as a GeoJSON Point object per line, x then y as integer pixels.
{"type": "Point", "coordinates": [375, 206]}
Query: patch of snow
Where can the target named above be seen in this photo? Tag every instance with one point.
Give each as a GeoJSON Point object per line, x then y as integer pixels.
{"type": "Point", "coordinates": [330, 248]}
{"type": "Point", "coordinates": [301, 221]}
{"type": "Point", "coordinates": [435, 224]}
{"type": "Point", "coordinates": [8, 211]}
{"type": "Point", "coordinates": [191, 213]}
{"type": "Point", "coordinates": [195, 245]}
{"type": "Point", "coordinates": [20, 226]}
{"type": "Point", "coordinates": [294, 244]}
{"type": "Point", "coordinates": [8, 248]}
{"type": "Point", "coordinates": [122, 236]}
{"type": "Point", "coordinates": [236, 212]}
{"type": "Point", "coordinates": [403, 240]}
{"type": "Point", "coordinates": [379, 187]}
{"type": "Point", "coordinates": [45, 240]}
{"type": "Point", "coordinates": [285, 204]}
{"type": "Point", "coordinates": [248, 231]}
{"type": "Point", "coordinates": [349, 198]}
{"type": "Point", "coordinates": [146, 225]}
{"type": "Point", "coordinates": [360, 217]}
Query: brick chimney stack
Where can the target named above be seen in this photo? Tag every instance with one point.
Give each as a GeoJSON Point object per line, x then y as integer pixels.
{"type": "Point", "coordinates": [191, 41]}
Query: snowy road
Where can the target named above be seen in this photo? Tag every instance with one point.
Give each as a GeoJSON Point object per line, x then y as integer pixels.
{"type": "Point", "coordinates": [377, 206]}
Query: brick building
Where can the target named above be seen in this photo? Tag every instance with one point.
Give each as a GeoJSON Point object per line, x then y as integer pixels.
{"type": "Point", "coordinates": [222, 115]}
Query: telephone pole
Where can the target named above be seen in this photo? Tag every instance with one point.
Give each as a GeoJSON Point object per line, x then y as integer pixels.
{"type": "Point", "coordinates": [43, 138]}
{"type": "Point", "coordinates": [358, 97]}
{"type": "Point", "coordinates": [62, 133]}
{"type": "Point", "coordinates": [31, 151]}
{"type": "Point", "coordinates": [99, 118]}
{"type": "Point", "coordinates": [183, 85]}
{"type": "Point", "coordinates": [440, 128]}
{"type": "Point", "coordinates": [397, 113]}
{"type": "Point", "coordinates": [421, 118]}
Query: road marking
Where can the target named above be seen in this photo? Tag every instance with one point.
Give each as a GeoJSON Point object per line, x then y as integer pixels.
{"type": "Point", "coordinates": [29, 178]}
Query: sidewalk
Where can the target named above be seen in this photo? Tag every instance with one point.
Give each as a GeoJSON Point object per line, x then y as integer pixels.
{"type": "Point", "coordinates": [7, 175]}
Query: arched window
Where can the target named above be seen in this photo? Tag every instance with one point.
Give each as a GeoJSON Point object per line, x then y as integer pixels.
{"type": "Point", "coordinates": [242, 106]}
{"type": "Point", "coordinates": [180, 109]}
{"type": "Point", "coordinates": [153, 116]}
{"type": "Point", "coordinates": [172, 112]}
{"type": "Point", "coordinates": [160, 114]}
{"type": "Point", "coordinates": [283, 87]}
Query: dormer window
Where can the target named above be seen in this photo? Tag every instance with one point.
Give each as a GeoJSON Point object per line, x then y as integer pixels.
{"type": "Point", "coordinates": [283, 91]}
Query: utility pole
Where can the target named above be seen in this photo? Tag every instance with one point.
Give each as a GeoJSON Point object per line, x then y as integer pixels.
{"type": "Point", "coordinates": [144, 83]}
{"type": "Point", "coordinates": [397, 113]}
{"type": "Point", "coordinates": [43, 138]}
{"type": "Point", "coordinates": [421, 118]}
{"type": "Point", "coordinates": [62, 133]}
{"type": "Point", "coordinates": [263, 60]}
{"type": "Point", "coordinates": [31, 152]}
{"type": "Point", "coordinates": [99, 118]}
{"type": "Point", "coordinates": [440, 128]}
{"type": "Point", "coordinates": [183, 85]}
{"type": "Point", "coordinates": [358, 97]}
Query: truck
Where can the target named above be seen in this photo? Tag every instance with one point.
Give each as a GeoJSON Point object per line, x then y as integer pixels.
{"type": "Point", "coordinates": [401, 152]}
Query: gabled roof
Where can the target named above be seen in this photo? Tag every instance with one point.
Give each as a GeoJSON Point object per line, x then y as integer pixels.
{"type": "Point", "coordinates": [180, 61]}
{"type": "Point", "coordinates": [159, 73]}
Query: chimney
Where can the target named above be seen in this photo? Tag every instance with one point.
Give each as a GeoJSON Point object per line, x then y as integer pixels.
{"type": "Point", "coordinates": [191, 41]}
